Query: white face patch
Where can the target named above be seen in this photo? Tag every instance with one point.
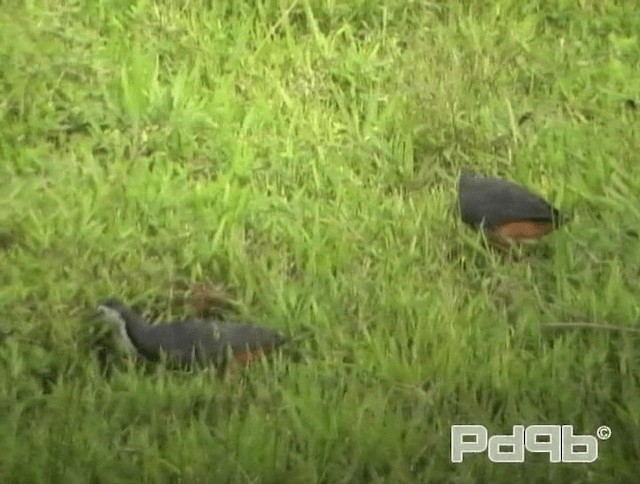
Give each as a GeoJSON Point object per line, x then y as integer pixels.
{"type": "Point", "coordinates": [115, 319]}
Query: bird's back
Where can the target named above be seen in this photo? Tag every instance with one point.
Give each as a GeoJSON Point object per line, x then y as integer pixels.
{"type": "Point", "coordinates": [493, 202]}
{"type": "Point", "coordinates": [206, 341]}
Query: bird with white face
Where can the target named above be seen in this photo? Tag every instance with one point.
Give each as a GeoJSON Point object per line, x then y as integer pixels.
{"type": "Point", "coordinates": [190, 342]}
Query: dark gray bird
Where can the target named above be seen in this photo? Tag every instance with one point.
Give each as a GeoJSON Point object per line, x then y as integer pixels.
{"type": "Point", "coordinates": [192, 342]}
{"type": "Point", "coordinates": [507, 212]}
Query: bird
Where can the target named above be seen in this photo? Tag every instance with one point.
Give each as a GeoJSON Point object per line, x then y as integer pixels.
{"type": "Point", "coordinates": [508, 213]}
{"type": "Point", "coordinates": [190, 342]}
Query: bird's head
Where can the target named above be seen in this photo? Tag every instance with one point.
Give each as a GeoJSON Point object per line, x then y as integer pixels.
{"type": "Point", "coordinates": [118, 315]}
{"type": "Point", "coordinates": [111, 310]}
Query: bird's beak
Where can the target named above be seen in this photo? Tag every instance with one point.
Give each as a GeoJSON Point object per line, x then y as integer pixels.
{"type": "Point", "coordinates": [563, 219]}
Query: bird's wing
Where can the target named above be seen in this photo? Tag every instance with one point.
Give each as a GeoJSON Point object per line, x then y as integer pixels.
{"type": "Point", "coordinates": [247, 336]}
{"type": "Point", "coordinates": [494, 202]}
{"type": "Point", "coordinates": [209, 341]}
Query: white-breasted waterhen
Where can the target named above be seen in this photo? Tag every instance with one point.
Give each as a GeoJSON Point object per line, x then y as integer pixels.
{"type": "Point", "coordinates": [508, 213]}
{"type": "Point", "coordinates": [191, 342]}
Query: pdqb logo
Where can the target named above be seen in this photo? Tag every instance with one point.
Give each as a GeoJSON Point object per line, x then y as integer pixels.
{"type": "Point", "coordinates": [558, 441]}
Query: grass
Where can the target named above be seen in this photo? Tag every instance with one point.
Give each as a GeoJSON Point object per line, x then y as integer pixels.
{"type": "Point", "coordinates": [305, 154]}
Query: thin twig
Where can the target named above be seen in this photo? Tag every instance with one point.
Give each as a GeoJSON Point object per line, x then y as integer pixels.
{"type": "Point", "coordinates": [585, 325]}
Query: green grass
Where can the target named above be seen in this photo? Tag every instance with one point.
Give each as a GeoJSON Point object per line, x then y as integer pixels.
{"type": "Point", "coordinates": [305, 154]}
